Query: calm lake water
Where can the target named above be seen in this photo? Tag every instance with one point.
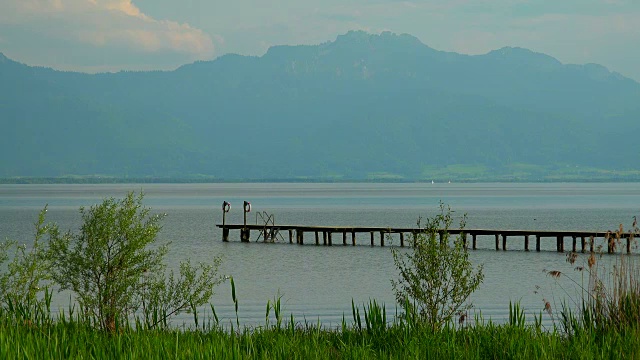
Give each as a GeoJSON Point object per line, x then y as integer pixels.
{"type": "Point", "coordinates": [318, 283]}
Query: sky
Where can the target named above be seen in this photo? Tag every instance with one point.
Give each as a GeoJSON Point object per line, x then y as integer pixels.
{"type": "Point", "coordinates": [112, 35]}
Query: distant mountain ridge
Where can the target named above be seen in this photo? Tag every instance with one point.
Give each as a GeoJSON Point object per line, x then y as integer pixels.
{"type": "Point", "coordinates": [361, 107]}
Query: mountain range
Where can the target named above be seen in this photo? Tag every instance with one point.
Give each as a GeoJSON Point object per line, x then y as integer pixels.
{"type": "Point", "coordinates": [362, 107]}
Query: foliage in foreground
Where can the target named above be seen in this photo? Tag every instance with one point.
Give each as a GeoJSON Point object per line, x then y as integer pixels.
{"type": "Point", "coordinates": [436, 276]}
{"type": "Point", "coordinates": [113, 265]}
{"type": "Point", "coordinates": [367, 337]}
{"type": "Point", "coordinates": [608, 302]}
{"type": "Point", "coordinates": [26, 281]}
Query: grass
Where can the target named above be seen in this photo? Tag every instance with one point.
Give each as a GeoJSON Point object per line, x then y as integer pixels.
{"type": "Point", "coordinates": [367, 336]}
{"type": "Point", "coordinates": [605, 326]}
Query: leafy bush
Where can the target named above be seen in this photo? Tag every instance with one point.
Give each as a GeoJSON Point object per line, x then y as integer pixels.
{"type": "Point", "coordinates": [115, 267]}
{"type": "Point", "coordinates": [27, 275]}
{"type": "Point", "coordinates": [436, 277]}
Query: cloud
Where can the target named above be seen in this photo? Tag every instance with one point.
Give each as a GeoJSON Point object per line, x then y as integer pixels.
{"type": "Point", "coordinates": [107, 23]}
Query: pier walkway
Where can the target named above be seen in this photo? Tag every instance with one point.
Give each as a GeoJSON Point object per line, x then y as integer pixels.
{"type": "Point", "coordinates": [324, 235]}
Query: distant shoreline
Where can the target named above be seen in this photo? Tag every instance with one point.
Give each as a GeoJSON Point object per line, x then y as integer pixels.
{"type": "Point", "coordinates": [186, 180]}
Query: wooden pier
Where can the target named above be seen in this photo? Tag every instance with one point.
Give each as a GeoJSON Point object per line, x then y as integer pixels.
{"type": "Point", "coordinates": [325, 234]}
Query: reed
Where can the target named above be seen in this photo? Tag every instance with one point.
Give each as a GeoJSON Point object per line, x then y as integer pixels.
{"type": "Point", "coordinates": [610, 301]}
{"type": "Point", "coordinates": [369, 335]}
{"type": "Point", "coordinates": [605, 326]}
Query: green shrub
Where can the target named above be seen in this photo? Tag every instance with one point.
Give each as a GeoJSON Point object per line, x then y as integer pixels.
{"type": "Point", "coordinates": [436, 277]}
{"type": "Point", "coordinates": [27, 276]}
{"type": "Point", "coordinates": [115, 267]}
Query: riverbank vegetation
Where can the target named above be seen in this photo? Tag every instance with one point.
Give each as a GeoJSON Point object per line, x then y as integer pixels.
{"type": "Point", "coordinates": [368, 336]}
{"type": "Point", "coordinates": [125, 298]}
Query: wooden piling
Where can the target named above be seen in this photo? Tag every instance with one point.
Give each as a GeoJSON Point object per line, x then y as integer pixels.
{"type": "Point", "coordinates": [497, 241]}
{"type": "Point", "coordinates": [290, 236]}
{"type": "Point", "coordinates": [582, 243]}
{"type": "Point", "coordinates": [629, 244]}
{"type": "Point", "coordinates": [372, 243]}
{"type": "Point", "coordinates": [402, 239]}
{"type": "Point", "coordinates": [591, 241]}
{"type": "Point", "coordinates": [464, 241]}
{"type": "Point", "coordinates": [344, 238]}
{"type": "Point", "coordinates": [300, 237]}
{"type": "Point", "coordinates": [538, 243]}
{"type": "Point", "coordinates": [245, 235]}
{"type": "Point", "coordinates": [329, 236]}
{"type": "Point", "coordinates": [560, 243]}
{"type": "Point", "coordinates": [474, 240]}
{"type": "Point", "coordinates": [353, 238]}
{"type": "Point", "coordinates": [317, 238]}
{"type": "Point", "coordinates": [381, 238]}
{"type": "Point", "coordinates": [575, 243]}
{"type": "Point", "coordinates": [526, 243]}
{"type": "Point", "coordinates": [504, 242]}
{"type": "Point", "coordinates": [324, 238]}
{"type": "Point", "coordinates": [225, 230]}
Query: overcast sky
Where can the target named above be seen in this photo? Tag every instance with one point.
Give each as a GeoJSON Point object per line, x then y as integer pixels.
{"type": "Point", "coordinates": [111, 35]}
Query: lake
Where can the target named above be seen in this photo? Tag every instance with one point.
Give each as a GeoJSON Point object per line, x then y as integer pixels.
{"type": "Point", "coordinates": [318, 283]}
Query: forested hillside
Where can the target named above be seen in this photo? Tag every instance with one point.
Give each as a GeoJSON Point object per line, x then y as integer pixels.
{"type": "Point", "coordinates": [362, 107]}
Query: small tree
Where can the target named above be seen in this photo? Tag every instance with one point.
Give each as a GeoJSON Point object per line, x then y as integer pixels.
{"type": "Point", "coordinates": [436, 277]}
{"type": "Point", "coordinates": [27, 275]}
{"type": "Point", "coordinates": [113, 262]}
{"type": "Point", "coordinates": [164, 296]}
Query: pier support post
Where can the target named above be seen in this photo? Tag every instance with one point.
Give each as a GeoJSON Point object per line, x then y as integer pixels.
{"type": "Point", "coordinates": [441, 236]}
{"type": "Point", "coordinates": [225, 231]}
{"type": "Point", "coordinates": [591, 241]}
{"type": "Point", "coordinates": [300, 234]}
{"type": "Point", "coordinates": [464, 241]}
{"type": "Point", "coordinates": [497, 241]}
{"type": "Point", "coordinates": [372, 244]}
{"type": "Point", "coordinates": [324, 238]}
{"type": "Point", "coordinates": [560, 243]}
{"type": "Point", "coordinates": [575, 243]}
{"type": "Point", "coordinates": [582, 243]}
{"type": "Point", "coordinates": [329, 236]}
{"type": "Point", "coordinates": [290, 236]}
{"type": "Point", "coordinates": [538, 243]}
{"type": "Point", "coordinates": [353, 238]}
{"type": "Point", "coordinates": [629, 244]}
{"type": "Point", "coordinates": [526, 243]}
{"type": "Point", "coordinates": [245, 235]}
{"type": "Point", "coordinates": [344, 238]}
{"type": "Point", "coordinates": [317, 239]}
{"type": "Point", "coordinates": [381, 238]}
{"type": "Point", "coordinates": [402, 239]}
{"type": "Point", "coordinates": [474, 240]}
{"type": "Point", "coordinates": [504, 242]}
